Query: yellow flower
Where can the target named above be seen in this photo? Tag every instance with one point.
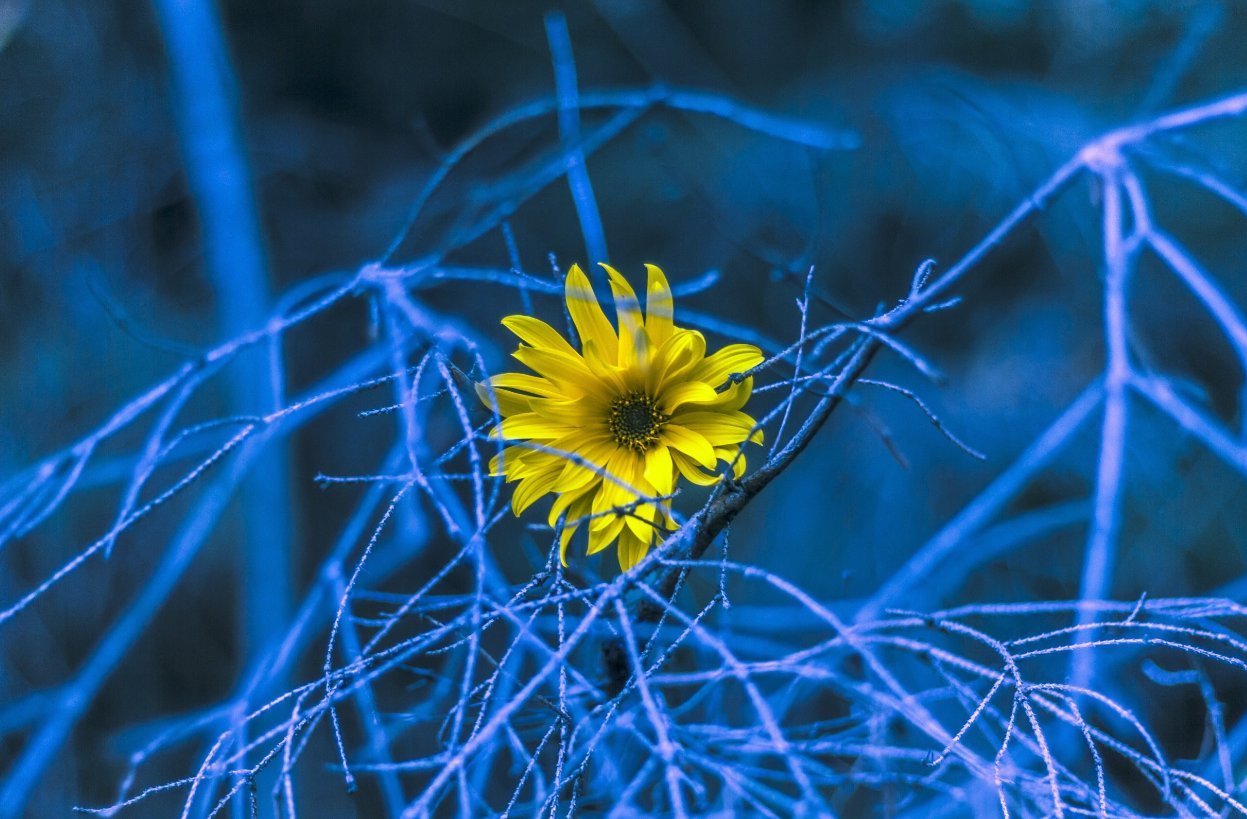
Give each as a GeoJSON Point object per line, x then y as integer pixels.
{"type": "Point", "coordinates": [642, 404]}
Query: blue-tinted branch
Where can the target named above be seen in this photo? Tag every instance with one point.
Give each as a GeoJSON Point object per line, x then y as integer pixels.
{"type": "Point", "coordinates": [214, 150]}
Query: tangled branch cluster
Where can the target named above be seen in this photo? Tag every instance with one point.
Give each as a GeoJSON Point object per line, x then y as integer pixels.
{"type": "Point", "coordinates": [654, 692]}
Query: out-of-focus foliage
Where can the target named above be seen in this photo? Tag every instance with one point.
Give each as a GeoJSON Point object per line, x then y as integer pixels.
{"type": "Point", "coordinates": [752, 142]}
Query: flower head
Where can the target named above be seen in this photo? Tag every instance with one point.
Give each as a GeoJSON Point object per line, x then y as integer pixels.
{"type": "Point", "coordinates": [611, 427]}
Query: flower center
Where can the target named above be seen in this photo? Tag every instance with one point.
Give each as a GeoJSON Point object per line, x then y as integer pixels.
{"type": "Point", "coordinates": [635, 421]}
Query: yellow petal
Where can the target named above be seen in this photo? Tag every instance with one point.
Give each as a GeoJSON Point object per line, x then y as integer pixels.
{"type": "Point", "coordinates": [563, 503]}
{"type": "Point", "coordinates": [599, 539]}
{"type": "Point", "coordinates": [731, 399]}
{"type": "Point", "coordinates": [689, 442]}
{"type": "Point", "coordinates": [729, 455]}
{"type": "Point", "coordinates": [734, 358]}
{"type": "Point", "coordinates": [631, 549]}
{"type": "Point", "coordinates": [503, 402]}
{"type": "Point", "coordinates": [659, 471]}
{"type": "Point", "coordinates": [569, 530]}
{"type": "Point", "coordinates": [508, 462]}
{"type": "Point", "coordinates": [537, 333]}
{"type": "Point", "coordinates": [526, 383]}
{"type": "Point", "coordinates": [659, 306]}
{"type": "Point", "coordinates": [629, 468]}
{"type": "Point", "coordinates": [719, 428]}
{"type": "Point", "coordinates": [569, 372]}
{"type": "Point", "coordinates": [611, 379]}
{"type": "Point", "coordinates": [575, 515]}
{"type": "Point", "coordinates": [634, 345]}
{"type": "Point", "coordinates": [688, 468]}
{"type": "Point", "coordinates": [641, 521]}
{"type": "Point", "coordinates": [613, 493]}
{"type": "Point", "coordinates": [587, 313]}
{"type": "Point", "coordinates": [698, 392]}
{"type": "Point", "coordinates": [674, 358]}
{"type": "Point", "coordinates": [568, 414]}
{"type": "Point", "coordinates": [532, 489]}
{"type": "Point", "coordinates": [594, 450]}
{"type": "Point", "coordinates": [528, 425]}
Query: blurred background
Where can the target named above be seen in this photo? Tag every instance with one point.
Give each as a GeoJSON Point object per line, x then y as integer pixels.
{"type": "Point", "coordinates": [960, 109]}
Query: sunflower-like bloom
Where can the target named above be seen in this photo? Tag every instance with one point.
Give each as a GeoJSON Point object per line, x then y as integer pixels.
{"type": "Point", "coordinates": [610, 428]}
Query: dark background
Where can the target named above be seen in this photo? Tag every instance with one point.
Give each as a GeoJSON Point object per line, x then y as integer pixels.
{"type": "Point", "coordinates": [962, 109]}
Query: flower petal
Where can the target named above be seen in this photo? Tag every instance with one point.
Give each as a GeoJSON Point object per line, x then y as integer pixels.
{"type": "Point", "coordinates": [575, 514]}
{"type": "Point", "coordinates": [659, 306]}
{"type": "Point", "coordinates": [634, 346]}
{"type": "Point", "coordinates": [691, 443]}
{"type": "Point", "coordinates": [596, 451]}
{"type": "Point", "coordinates": [563, 503]}
{"type": "Point", "coordinates": [625, 465]}
{"type": "Point", "coordinates": [586, 312]}
{"type": "Point", "coordinates": [512, 461]}
{"type": "Point", "coordinates": [668, 522]}
{"type": "Point", "coordinates": [599, 539]}
{"type": "Point", "coordinates": [524, 382]}
{"type": "Point", "coordinates": [613, 378]}
{"type": "Point", "coordinates": [631, 549]}
{"type": "Point", "coordinates": [641, 521]}
{"type": "Point", "coordinates": [530, 426]}
{"type": "Point", "coordinates": [503, 402]}
{"type": "Point", "coordinates": [533, 488]}
{"type": "Point", "coordinates": [569, 414]}
{"type": "Point", "coordinates": [698, 392]}
{"type": "Point", "coordinates": [731, 399]}
{"type": "Point", "coordinates": [734, 358]}
{"type": "Point", "coordinates": [730, 455]}
{"type": "Point", "coordinates": [569, 372]}
{"type": "Point", "coordinates": [537, 333]}
{"type": "Point", "coordinates": [719, 428]}
{"type": "Point", "coordinates": [688, 468]}
{"type": "Point", "coordinates": [659, 471]}
{"type": "Point", "coordinates": [680, 352]}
